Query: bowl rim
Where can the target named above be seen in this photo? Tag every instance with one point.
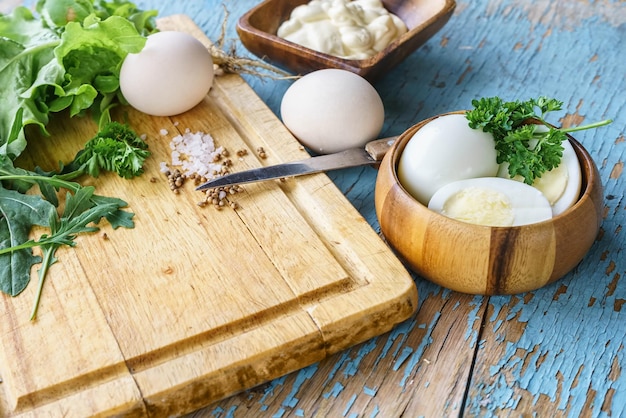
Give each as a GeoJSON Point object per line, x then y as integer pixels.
{"type": "Point", "coordinates": [587, 166]}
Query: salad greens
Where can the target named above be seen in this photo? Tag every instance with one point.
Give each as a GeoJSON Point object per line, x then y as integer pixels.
{"type": "Point", "coordinates": [529, 149]}
{"type": "Point", "coordinates": [66, 57]}
{"type": "Point", "coordinates": [20, 212]}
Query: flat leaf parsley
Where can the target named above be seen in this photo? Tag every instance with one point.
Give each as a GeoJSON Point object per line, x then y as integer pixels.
{"type": "Point", "coordinates": [524, 140]}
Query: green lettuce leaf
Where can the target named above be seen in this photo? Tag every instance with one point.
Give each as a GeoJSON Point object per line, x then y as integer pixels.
{"type": "Point", "coordinates": [68, 57]}
{"type": "Point", "coordinates": [26, 63]}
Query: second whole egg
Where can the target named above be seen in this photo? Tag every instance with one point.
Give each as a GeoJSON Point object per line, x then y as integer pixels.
{"type": "Point", "coordinates": [332, 110]}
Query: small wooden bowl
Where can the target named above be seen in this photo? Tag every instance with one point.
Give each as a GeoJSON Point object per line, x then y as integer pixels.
{"type": "Point", "coordinates": [257, 31]}
{"type": "Point", "coordinates": [479, 259]}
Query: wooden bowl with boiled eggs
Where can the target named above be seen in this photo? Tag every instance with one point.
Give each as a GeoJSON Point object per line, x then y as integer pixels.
{"type": "Point", "coordinates": [258, 29]}
{"type": "Point", "coordinates": [478, 259]}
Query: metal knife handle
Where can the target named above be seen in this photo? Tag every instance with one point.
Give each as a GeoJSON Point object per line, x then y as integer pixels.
{"type": "Point", "coordinates": [379, 147]}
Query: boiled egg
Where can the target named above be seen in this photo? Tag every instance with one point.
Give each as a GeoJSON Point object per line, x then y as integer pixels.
{"type": "Point", "coordinates": [561, 185]}
{"type": "Point", "coordinates": [491, 201]}
{"type": "Point", "coordinates": [331, 110]}
{"type": "Point", "coordinates": [170, 75]}
{"type": "Point", "coordinates": [442, 151]}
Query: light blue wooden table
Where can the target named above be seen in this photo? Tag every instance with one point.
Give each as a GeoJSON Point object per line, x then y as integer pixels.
{"type": "Point", "coordinates": [558, 351]}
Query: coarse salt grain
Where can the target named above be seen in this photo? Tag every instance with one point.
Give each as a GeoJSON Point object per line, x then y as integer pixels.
{"type": "Point", "coordinates": [195, 154]}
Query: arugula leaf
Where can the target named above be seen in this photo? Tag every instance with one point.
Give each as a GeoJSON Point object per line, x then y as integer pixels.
{"type": "Point", "coordinates": [79, 216]}
{"type": "Point", "coordinates": [18, 214]}
{"type": "Point", "coordinates": [524, 140]}
{"type": "Point", "coordinates": [117, 218]}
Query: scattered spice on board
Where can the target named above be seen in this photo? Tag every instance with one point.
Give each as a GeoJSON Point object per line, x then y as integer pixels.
{"type": "Point", "coordinates": [221, 197]}
{"type": "Point", "coordinates": [195, 157]}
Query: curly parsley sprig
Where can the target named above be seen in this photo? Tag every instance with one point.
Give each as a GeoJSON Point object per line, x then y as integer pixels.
{"type": "Point", "coordinates": [117, 148]}
{"type": "Point", "coordinates": [530, 149]}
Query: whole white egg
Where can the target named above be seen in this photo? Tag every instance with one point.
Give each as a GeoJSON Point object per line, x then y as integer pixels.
{"type": "Point", "coordinates": [170, 75]}
{"type": "Point", "coordinates": [444, 150]}
{"type": "Point", "coordinates": [332, 110]}
{"type": "Point", "coordinates": [491, 201]}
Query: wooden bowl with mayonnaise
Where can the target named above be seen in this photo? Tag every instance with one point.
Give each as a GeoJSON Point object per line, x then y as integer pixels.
{"type": "Point", "coordinates": [258, 28]}
{"type": "Point", "coordinates": [486, 260]}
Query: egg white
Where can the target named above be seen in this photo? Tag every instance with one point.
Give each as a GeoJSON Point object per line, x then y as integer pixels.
{"type": "Point", "coordinates": [491, 201]}
{"type": "Point", "coordinates": [561, 185]}
{"type": "Point", "coordinates": [444, 150]}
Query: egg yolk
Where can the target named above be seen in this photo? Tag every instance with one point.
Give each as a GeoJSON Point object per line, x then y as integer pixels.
{"type": "Point", "coordinates": [481, 206]}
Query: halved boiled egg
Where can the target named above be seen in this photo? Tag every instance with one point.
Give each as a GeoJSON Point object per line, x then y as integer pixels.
{"type": "Point", "coordinates": [444, 150]}
{"type": "Point", "coordinates": [561, 185]}
{"type": "Point", "coordinates": [491, 201]}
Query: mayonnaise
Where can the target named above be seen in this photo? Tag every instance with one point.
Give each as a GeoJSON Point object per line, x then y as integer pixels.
{"type": "Point", "coordinates": [347, 29]}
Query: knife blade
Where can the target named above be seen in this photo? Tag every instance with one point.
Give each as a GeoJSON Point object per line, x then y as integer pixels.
{"type": "Point", "coordinates": [372, 153]}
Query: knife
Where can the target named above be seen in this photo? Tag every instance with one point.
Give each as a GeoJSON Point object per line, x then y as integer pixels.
{"type": "Point", "coordinates": [372, 153]}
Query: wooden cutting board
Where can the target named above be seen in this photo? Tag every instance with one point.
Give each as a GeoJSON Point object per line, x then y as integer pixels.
{"type": "Point", "coordinates": [195, 304]}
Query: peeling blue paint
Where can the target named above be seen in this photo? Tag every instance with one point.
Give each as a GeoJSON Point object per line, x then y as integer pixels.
{"type": "Point", "coordinates": [349, 405]}
{"type": "Point", "coordinates": [406, 352]}
{"type": "Point", "coordinates": [303, 375]}
{"type": "Point", "coordinates": [398, 334]}
{"type": "Point", "coordinates": [370, 391]}
{"type": "Point", "coordinates": [472, 332]}
{"type": "Point", "coordinates": [336, 390]}
{"type": "Point", "coordinates": [217, 411]}
{"type": "Point", "coordinates": [269, 391]}
{"type": "Point", "coordinates": [280, 413]}
{"type": "Point", "coordinates": [417, 354]}
{"type": "Point", "coordinates": [331, 375]}
{"type": "Point", "coordinates": [375, 412]}
{"type": "Point", "coordinates": [352, 366]}
{"type": "Point", "coordinates": [497, 325]}
{"type": "Point", "coordinates": [231, 411]}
